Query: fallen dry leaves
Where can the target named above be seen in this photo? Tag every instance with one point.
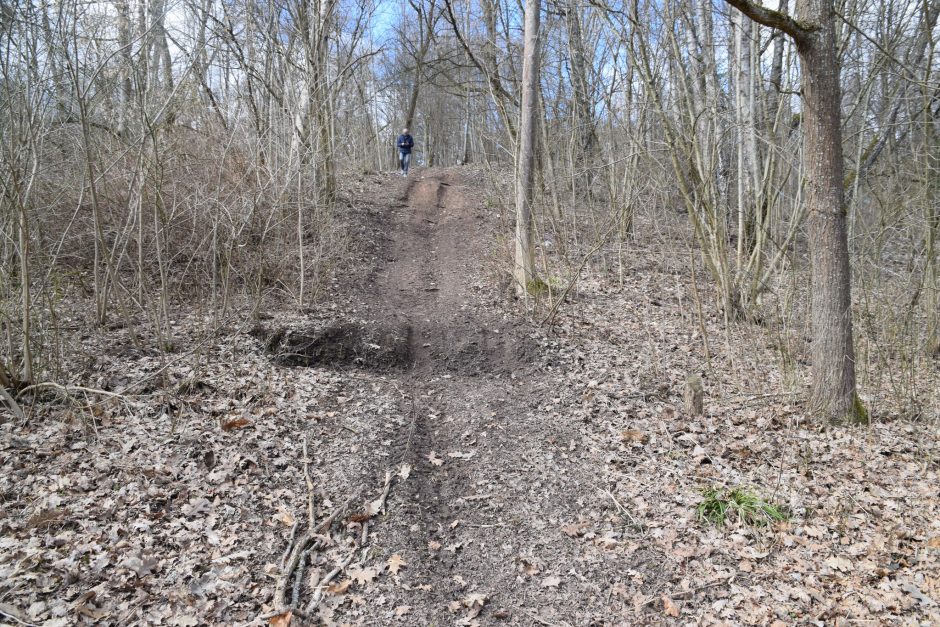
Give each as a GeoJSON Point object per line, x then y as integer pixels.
{"type": "Point", "coordinates": [395, 562]}
{"type": "Point", "coordinates": [176, 508]}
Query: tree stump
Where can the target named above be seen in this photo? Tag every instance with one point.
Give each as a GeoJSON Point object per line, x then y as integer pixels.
{"type": "Point", "coordinates": [694, 396]}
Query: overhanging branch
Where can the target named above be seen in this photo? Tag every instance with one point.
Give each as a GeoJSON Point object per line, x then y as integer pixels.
{"type": "Point", "coordinates": [774, 19]}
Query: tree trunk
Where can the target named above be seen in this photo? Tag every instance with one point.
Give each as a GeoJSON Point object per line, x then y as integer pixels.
{"type": "Point", "coordinates": [583, 110]}
{"type": "Point", "coordinates": [833, 395]}
{"type": "Point", "coordinates": [833, 390]}
{"type": "Point", "coordinates": [776, 78]}
{"type": "Point", "coordinates": [427, 20]}
{"type": "Point", "coordinates": [747, 138]}
{"type": "Point", "coordinates": [524, 272]}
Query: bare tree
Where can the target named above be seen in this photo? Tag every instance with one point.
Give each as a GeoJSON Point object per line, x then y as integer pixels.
{"type": "Point", "coordinates": [524, 272]}
{"type": "Point", "coordinates": [833, 394]}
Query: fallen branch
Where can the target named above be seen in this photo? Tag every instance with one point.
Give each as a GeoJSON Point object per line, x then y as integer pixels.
{"type": "Point", "coordinates": [67, 390]}
{"type": "Point", "coordinates": [379, 506]}
{"type": "Point", "coordinates": [308, 542]}
{"type": "Point", "coordinates": [10, 612]}
{"type": "Point", "coordinates": [14, 407]}
{"type": "Point", "coordinates": [318, 596]}
{"type": "Point", "coordinates": [290, 543]}
{"type": "Point", "coordinates": [385, 490]}
{"type": "Point", "coordinates": [311, 515]}
{"type": "Point", "coordinates": [683, 594]}
{"type": "Point", "coordinates": [298, 579]}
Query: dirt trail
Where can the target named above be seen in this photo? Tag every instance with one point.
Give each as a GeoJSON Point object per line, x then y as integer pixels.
{"type": "Point", "coordinates": [494, 476]}
{"type": "Point", "coordinates": [427, 284]}
{"type": "Point", "coordinates": [553, 480]}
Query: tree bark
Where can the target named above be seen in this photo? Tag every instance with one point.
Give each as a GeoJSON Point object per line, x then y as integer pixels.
{"type": "Point", "coordinates": [833, 393]}
{"type": "Point", "coordinates": [524, 271]}
{"type": "Point", "coordinates": [427, 20]}
{"type": "Point", "coordinates": [583, 109]}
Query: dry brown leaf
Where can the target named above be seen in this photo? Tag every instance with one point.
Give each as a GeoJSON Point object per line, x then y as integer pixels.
{"type": "Point", "coordinates": [552, 581]}
{"type": "Point", "coordinates": [362, 575]}
{"type": "Point", "coordinates": [839, 563]}
{"type": "Point", "coordinates": [434, 545]}
{"type": "Point", "coordinates": [395, 562]}
{"type": "Point", "coordinates": [401, 610]}
{"type": "Point", "coordinates": [633, 435]}
{"type": "Point", "coordinates": [528, 568]}
{"type": "Point", "coordinates": [475, 600]}
{"type": "Point", "coordinates": [281, 620]}
{"type": "Point", "coordinates": [934, 543]}
{"type": "Point", "coordinates": [339, 588]}
{"type": "Point", "coordinates": [238, 423]}
{"type": "Point", "coordinates": [285, 517]}
{"type": "Point", "coordinates": [434, 459]}
{"type": "Point", "coordinates": [405, 471]}
{"type": "Point", "coordinates": [575, 529]}
{"type": "Point", "coordinates": [669, 607]}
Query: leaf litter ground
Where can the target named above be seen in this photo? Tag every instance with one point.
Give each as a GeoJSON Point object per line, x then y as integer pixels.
{"type": "Point", "coordinates": [533, 476]}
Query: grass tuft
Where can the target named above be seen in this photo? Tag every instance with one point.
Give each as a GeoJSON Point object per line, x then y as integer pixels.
{"type": "Point", "coordinates": [721, 505]}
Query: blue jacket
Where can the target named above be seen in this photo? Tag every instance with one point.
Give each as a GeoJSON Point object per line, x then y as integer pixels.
{"type": "Point", "coordinates": [405, 144]}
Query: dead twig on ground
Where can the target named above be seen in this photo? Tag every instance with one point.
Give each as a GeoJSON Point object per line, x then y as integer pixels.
{"type": "Point", "coordinates": [10, 612]}
{"type": "Point", "coordinates": [311, 513]}
{"type": "Point", "coordinates": [318, 595]}
{"type": "Point", "coordinates": [636, 524]}
{"type": "Point", "coordinates": [290, 542]}
{"type": "Point", "coordinates": [541, 621]}
{"type": "Point", "coordinates": [308, 542]}
{"type": "Point", "coordinates": [376, 506]}
{"type": "Point", "coordinates": [68, 390]}
{"type": "Point", "coordinates": [684, 594]}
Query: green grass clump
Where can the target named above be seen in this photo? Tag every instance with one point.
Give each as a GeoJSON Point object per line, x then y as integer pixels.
{"type": "Point", "coordinates": [721, 505]}
{"type": "Point", "coordinates": [536, 287]}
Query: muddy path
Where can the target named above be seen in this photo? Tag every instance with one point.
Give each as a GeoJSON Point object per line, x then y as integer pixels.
{"type": "Point", "coordinates": [487, 519]}
{"type": "Point", "coordinates": [426, 287]}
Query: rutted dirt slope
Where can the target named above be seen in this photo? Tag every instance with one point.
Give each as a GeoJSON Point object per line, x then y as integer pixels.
{"type": "Point", "coordinates": [534, 476]}
{"type": "Point", "coordinates": [492, 478]}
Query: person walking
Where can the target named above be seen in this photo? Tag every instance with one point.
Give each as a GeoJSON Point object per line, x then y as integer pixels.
{"type": "Point", "coordinates": [405, 143]}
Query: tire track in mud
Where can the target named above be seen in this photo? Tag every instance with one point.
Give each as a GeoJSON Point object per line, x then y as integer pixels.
{"type": "Point", "coordinates": [434, 256]}
{"type": "Point", "coordinates": [464, 523]}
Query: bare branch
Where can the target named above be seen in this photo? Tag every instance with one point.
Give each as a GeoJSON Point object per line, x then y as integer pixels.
{"type": "Point", "coordinates": [774, 19]}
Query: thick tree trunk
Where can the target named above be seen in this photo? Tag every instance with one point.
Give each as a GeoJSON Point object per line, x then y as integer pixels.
{"type": "Point", "coordinates": [833, 394]}
{"type": "Point", "coordinates": [524, 271]}
{"type": "Point", "coordinates": [833, 391]}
